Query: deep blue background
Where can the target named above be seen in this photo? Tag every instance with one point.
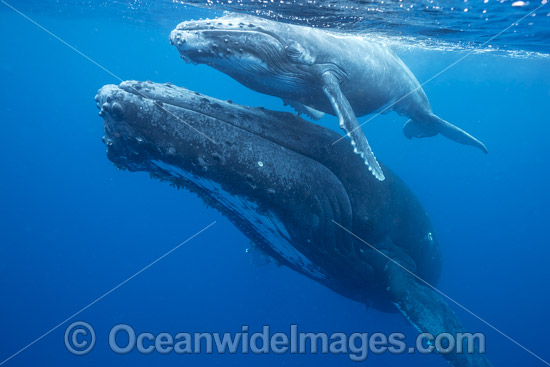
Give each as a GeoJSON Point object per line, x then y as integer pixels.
{"type": "Point", "coordinates": [72, 226]}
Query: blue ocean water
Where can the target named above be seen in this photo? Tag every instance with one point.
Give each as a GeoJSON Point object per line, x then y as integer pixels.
{"type": "Point", "coordinates": [73, 226]}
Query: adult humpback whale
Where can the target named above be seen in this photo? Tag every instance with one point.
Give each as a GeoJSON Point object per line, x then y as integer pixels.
{"type": "Point", "coordinates": [316, 70]}
{"type": "Point", "coordinates": [282, 183]}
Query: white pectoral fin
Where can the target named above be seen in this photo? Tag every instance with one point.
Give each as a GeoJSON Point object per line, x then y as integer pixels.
{"type": "Point", "coordinates": [348, 122]}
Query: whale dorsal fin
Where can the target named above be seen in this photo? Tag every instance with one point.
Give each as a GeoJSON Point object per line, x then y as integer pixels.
{"type": "Point", "coordinates": [348, 122]}
{"type": "Point", "coordinates": [311, 112]}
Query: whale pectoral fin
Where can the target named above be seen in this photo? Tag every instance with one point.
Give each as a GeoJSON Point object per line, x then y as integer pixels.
{"type": "Point", "coordinates": [426, 309]}
{"type": "Point", "coordinates": [348, 122]}
{"type": "Point", "coordinates": [435, 125]}
{"type": "Point", "coordinates": [311, 112]}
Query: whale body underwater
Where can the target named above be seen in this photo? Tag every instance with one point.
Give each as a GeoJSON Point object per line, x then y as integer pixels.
{"type": "Point", "coordinates": [316, 71]}
{"type": "Point", "coordinates": [310, 205]}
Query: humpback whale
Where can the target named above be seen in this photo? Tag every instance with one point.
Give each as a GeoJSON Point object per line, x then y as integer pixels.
{"type": "Point", "coordinates": [316, 71]}
{"type": "Point", "coordinates": [278, 179]}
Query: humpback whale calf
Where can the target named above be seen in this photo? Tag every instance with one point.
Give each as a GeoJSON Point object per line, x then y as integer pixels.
{"type": "Point", "coordinates": [316, 71]}
{"type": "Point", "coordinates": [295, 195]}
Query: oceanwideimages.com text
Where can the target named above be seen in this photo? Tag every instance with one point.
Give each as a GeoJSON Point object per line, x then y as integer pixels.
{"type": "Point", "coordinates": [124, 339]}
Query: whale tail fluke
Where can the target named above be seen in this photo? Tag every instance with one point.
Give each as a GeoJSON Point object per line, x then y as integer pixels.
{"type": "Point", "coordinates": [434, 125]}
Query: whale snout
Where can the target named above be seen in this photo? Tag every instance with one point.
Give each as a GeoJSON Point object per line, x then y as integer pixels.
{"type": "Point", "coordinates": [216, 40]}
{"type": "Point", "coordinates": [191, 44]}
{"type": "Point", "coordinates": [117, 113]}
{"type": "Point", "coordinates": [108, 103]}
{"type": "Point", "coordinates": [115, 109]}
{"type": "Point", "coordinates": [177, 37]}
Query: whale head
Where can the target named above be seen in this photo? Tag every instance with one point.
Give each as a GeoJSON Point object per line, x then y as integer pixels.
{"type": "Point", "coordinates": [269, 57]}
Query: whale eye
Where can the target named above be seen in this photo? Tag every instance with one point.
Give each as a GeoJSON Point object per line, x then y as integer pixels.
{"type": "Point", "coordinates": [298, 53]}
{"type": "Point", "coordinates": [294, 50]}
